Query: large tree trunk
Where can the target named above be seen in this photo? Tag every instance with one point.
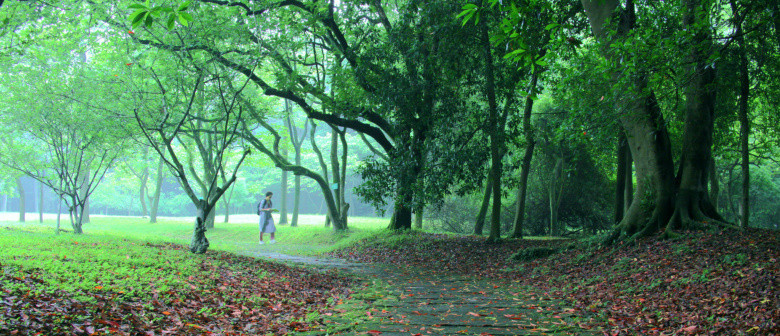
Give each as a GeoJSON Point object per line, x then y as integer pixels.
{"type": "Point", "coordinates": [199, 243]}
{"type": "Point", "coordinates": [22, 198]}
{"type": "Point", "coordinates": [658, 204]}
{"type": "Point", "coordinates": [157, 190]}
{"type": "Point", "coordinates": [692, 203]}
{"type": "Point", "coordinates": [210, 219]}
{"type": "Point", "coordinates": [418, 217]}
{"type": "Point", "coordinates": [402, 216]}
{"type": "Point", "coordinates": [483, 209]}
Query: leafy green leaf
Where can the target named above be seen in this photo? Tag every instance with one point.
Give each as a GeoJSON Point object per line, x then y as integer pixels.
{"type": "Point", "coordinates": [137, 17]}
{"type": "Point", "coordinates": [181, 19]}
{"type": "Point", "coordinates": [184, 6]}
{"type": "Point", "coordinates": [551, 26]}
{"type": "Point", "coordinates": [171, 22]}
{"type": "Point", "coordinates": [138, 6]}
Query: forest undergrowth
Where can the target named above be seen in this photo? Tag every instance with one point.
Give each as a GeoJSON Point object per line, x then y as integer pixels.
{"type": "Point", "coordinates": [92, 285]}
{"type": "Point", "coordinates": [721, 283]}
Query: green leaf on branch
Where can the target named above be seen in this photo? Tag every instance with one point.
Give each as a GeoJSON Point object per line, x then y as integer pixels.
{"type": "Point", "coordinates": [184, 6]}
{"type": "Point", "coordinates": [171, 22]}
{"type": "Point", "coordinates": [137, 17]}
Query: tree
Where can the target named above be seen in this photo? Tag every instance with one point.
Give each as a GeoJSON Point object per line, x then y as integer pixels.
{"type": "Point", "coordinates": [297, 137]}
{"type": "Point", "coordinates": [675, 201]}
{"type": "Point", "coordinates": [398, 106]}
{"type": "Point", "coordinates": [165, 122]}
{"type": "Point", "coordinates": [66, 144]}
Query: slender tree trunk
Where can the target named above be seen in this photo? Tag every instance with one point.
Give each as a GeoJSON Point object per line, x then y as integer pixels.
{"type": "Point", "coordinates": [620, 179]}
{"type": "Point", "coordinates": [285, 183]}
{"type": "Point", "coordinates": [297, 190]}
{"type": "Point", "coordinates": [5, 203]}
{"type": "Point", "coordinates": [525, 167]}
{"type": "Point", "coordinates": [84, 213]}
{"type": "Point", "coordinates": [343, 177]}
{"type": "Point", "coordinates": [59, 214]}
{"type": "Point", "coordinates": [744, 119]}
{"type": "Point", "coordinates": [157, 191]}
{"type": "Point", "coordinates": [557, 183]}
{"type": "Point", "coordinates": [483, 209]}
{"type": "Point", "coordinates": [36, 197]}
{"type": "Point", "coordinates": [730, 193]}
{"type": "Point", "coordinates": [496, 139]}
{"type": "Point", "coordinates": [40, 202]}
{"type": "Point", "coordinates": [22, 198]}
{"type": "Point", "coordinates": [714, 184]}
{"type": "Point", "coordinates": [334, 164]}
{"type": "Point", "coordinates": [142, 191]}
{"type": "Point", "coordinates": [629, 180]}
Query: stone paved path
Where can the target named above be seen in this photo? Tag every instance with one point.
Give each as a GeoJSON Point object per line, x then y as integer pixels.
{"type": "Point", "coordinates": [418, 302]}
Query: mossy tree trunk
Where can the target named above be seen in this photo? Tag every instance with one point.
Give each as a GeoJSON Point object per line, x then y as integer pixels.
{"type": "Point", "coordinates": [661, 202]}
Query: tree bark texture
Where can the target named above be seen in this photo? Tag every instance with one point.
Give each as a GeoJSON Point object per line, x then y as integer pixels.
{"type": "Point", "coordinates": [692, 202]}
{"type": "Point", "coordinates": [660, 202]}
{"type": "Point", "coordinates": [714, 183]}
{"type": "Point", "coordinates": [199, 243]}
{"type": "Point", "coordinates": [142, 191]}
{"type": "Point", "coordinates": [495, 136]}
{"type": "Point", "coordinates": [40, 202]}
{"type": "Point", "coordinates": [483, 209]}
{"type": "Point", "coordinates": [22, 199]}
{"type": "Point", "coordinates": [157, 190]}
{"type": "Point", "coordinates": [418, 217]}
{"type": "Point", "coordinates": [744, 120]}
{"type": "Point", "coordinates": [283, 192]}
{"type": "Point", "coordinates": [525, 168]}
{"type": "Point", "coordinates": [620, 178]}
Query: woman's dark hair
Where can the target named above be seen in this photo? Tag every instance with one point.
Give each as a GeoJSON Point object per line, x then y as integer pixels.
{"type": "Point", "coordinates": [268, 194]}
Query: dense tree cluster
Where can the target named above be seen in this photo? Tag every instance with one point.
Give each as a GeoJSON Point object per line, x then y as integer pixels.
{"type": "Point", "coordinates": [534, 117]}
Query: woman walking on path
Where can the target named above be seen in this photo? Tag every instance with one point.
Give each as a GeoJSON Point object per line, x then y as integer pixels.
{"type": "Point", "coordinates": [266, 220]}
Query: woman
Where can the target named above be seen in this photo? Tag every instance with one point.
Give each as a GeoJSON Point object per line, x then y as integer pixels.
{"type": "Point", "coordinates": [266, 220]}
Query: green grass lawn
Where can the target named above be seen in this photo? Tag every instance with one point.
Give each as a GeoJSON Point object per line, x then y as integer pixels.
{"type": "Point", "coordinates": [308, 238]}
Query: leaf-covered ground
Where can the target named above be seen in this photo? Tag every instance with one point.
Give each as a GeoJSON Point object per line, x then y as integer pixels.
{"type": "Point", "coordinates": [228, 295]}
{"type": "Point", "coordinates": [704, 283]}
